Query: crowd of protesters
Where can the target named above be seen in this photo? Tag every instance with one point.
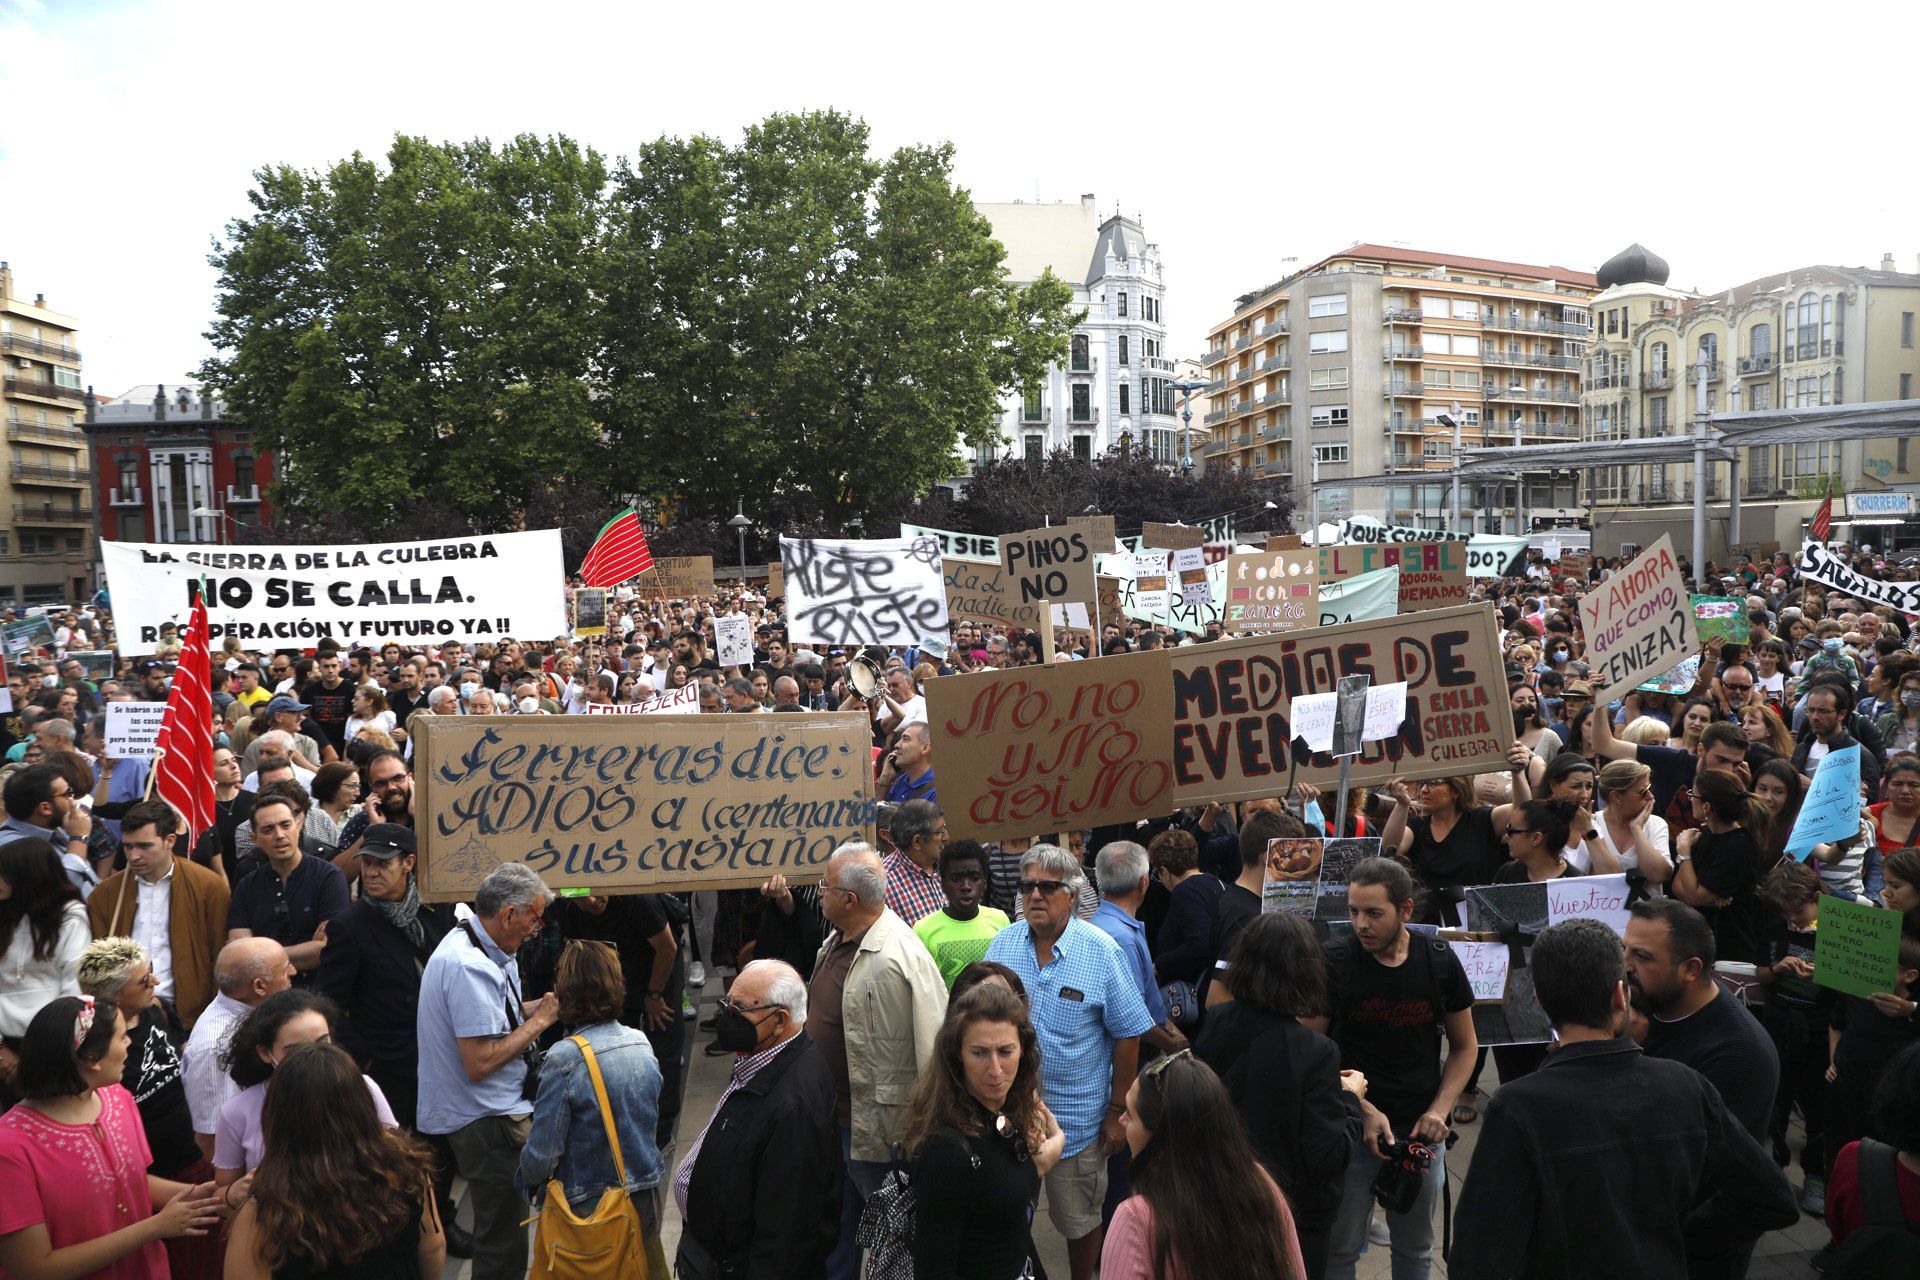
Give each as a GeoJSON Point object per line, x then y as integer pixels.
{"type": "Point", "coordinates": [258, 1052]}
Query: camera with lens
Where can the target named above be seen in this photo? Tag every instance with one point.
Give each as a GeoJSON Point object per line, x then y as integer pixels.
{"type": "Point", "coordinates": [1397, 1185]}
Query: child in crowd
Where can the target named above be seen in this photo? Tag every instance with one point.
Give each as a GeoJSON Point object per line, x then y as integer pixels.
{"type": "Point", "coordinates": [958, 935]}
{"type": "Point", "coordinates": [1796, 1013]}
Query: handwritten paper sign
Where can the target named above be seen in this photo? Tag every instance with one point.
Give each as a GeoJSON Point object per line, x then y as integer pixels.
{"type": "Point", "coordinates": [733, 638]}
{"type": "Point", "coordinates": [1338, 858]}
{"type": "Point", "coordinates": [1050, 564]}
{"type": "Point", "coordinates": [1602, 898]}
{"type": "Point", "coordinates": [1270, 591]}
{"type": "Point", "coordinates": [1638, 622]}
{"type": "Point", "coordinates": [978, 592]}
{"type": "Point", "coordinates": [980, 547]}
{"type": "Point", "coordinates": [1364, 596]}
{"type": "Point", "coordinates": [887, 591]}
{"type": "Point", "coordinates": [648, 804]}
{"type": "Point", "coordinates": [1037, 749]}
{"type": "Point", "coordinates": [590, 611]}
{"type": "Point", "coordinates": [1857, 947]}
{"type": "Point", "coordinates": [1825, 566]}
{"type": "Point", "coordinates": [1718, 617]}
{"type": "Point", "coordinates": [1486, 965]}
{"type": "Point", "coordinates": [1831, 810]}
{"type": "Point", "coordinates": [776, 581]}
{"type": "Point", "coordinates": [1433, 575]}
{"type": "Point", "coordinates": [682, 577]}
{"type": "Point", "coordinates": [1313, 717]}
{"type": "Point", "coordinates": [1190, 571]}
{"type": "Point", "coordinates": [1171, 537]}
{"type": "Point", "coordinates": [1233, 727]}
{"type": "Point", "coordinates": [684, 701]}
{"type": "Point", "coordinates": [1386, 711]}
{"type": "Point", "coordinates": [132, 728]}
{"type": "Point", "coordinates": [1190, 615]}
{"type": "Point", "coordinates": [1291, 880]}
{"type": "Point", "coordinates": [1150, 580]}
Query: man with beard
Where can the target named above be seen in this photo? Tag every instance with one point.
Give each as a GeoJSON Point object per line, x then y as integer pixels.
{"type": "Point", "coordinates": [1689, 1019]}
{"type": "Point", "coordinates": [1390, 995]}
{"type": "Point", "coordinates": [390, 787]}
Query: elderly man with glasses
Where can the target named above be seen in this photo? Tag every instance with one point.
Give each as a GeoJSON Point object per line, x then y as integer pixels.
{"type": "Point", "coordinates": [1089, 1016]}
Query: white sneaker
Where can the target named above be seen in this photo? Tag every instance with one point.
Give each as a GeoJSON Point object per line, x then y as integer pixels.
{"type": "Point", "coordinates": [696, 975]}
{"type": "Point", "coordinates": [1378, 1232]}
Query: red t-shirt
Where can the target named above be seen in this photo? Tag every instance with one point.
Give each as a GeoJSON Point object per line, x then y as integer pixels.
{"type": "Point", "coordinates": [1844, 1212]}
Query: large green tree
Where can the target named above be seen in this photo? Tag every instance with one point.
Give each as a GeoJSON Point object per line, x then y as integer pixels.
{"type": "Point", "coordinates": [416, 336]}
{"type": "Point", "coordinates": [796, 321]}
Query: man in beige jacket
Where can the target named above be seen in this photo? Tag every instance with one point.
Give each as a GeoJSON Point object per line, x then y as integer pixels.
{"type": "Point", "coordinates": [875, 1006]}
{"type": "Point", "coordinates": [174, 908]}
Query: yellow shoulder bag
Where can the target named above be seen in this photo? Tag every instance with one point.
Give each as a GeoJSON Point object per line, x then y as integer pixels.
{"type": "Point", "coordinates": [604, 1245]}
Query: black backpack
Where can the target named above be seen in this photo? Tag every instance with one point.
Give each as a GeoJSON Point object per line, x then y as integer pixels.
{"type": "Point", "coordinates": [1885, 1244]}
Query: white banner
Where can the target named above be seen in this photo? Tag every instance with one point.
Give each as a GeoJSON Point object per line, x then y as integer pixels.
{"type": "Point", "coordinates": [466, 589]}
{"type": "Point", "coordinates": [132, 728]}
{"type": "Point", "coordinates": [888, 591]}
{"type": "Point", "coordinates": [1488, 555]}
{"type": "Point", "coordinates": [684, 701]}
{"type": "Point", "coordinates": [1822, 565]}
{"type": "Point", "coordinates": [983, 547]}
{"type": "Point", "coordinates": [1361, 597]}
{"type": "Point", "coordinates": [733, 637]}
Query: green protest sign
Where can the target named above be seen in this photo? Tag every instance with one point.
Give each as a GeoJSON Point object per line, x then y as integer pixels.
{"type": "Point", "coordinates": [1724, 616]}
{"type": "Point", "coordinates": [1857, 948]}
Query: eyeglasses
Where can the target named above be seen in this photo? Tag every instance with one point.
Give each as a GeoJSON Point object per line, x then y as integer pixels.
{"type": "Point", "coordinates": [1737, 688]}
{"type": "Point", "coordinates": [1518, 831]}
{"type": "Point", "coordinates": [1044, 887]}
{"type": "Point", "coordinates": [731, 1007]}
{"type": "Point", "coordinates": [385, 783]}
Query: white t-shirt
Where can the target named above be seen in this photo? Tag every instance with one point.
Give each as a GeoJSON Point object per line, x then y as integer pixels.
{"type": "Point", "coordinates": [912, 711]}
{"type": "Point", "coordinates": [1657, 835]}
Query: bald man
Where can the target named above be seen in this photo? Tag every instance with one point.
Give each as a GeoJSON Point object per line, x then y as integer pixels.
{"type": "Point", "coordinates": [247, 971]}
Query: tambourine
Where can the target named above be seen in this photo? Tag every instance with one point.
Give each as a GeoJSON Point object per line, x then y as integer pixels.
{"type": "Point", "coordinates": [864, 678]}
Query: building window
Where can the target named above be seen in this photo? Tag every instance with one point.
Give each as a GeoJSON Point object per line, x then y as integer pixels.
{"type": "Point", "coordinates": [1658, 359]}
{"type": "Point", "coordinates": [1330, 453]}
{"type": "Point", "coordinates": [1123, 350]}
{"type": "Point", "coordinates": [1613, 320]}
{"type": "Point", "coordinates": [1906, 389]}
{"type": "Point", "coordinates": [1030, 404]}
{"type": "Point", "coordinates": [1760, 396]}
{"type": "Point", "coordinates": [1438, 377]}
{"type": "Point", "coordinates": [1710, 349]}
{"type": "Point", "coordinates": [1082, 402]}
{"type": "Point", "coordinates": [1435, 308]}
{"type": "Point", "coordinates": [1126, 397]}
{"type": "Point", "coordinates": [1123, 305]}
{"type": "Point", "coordinates": [1034, 449]}
{"type": "Point", "coordinates": [1809, 323]}
{"type": "Point", "coordinates": [245, 482]}
{"type": "Point", "coordinates": [1081, 361]}
{"type": "Point", "coordinates": [1330, 379]}
{"type": "Point", "coordinates": [1328, 415]}
{"type": "Point", "coordinates": [1906, 328]}
{"type": "Point", "coordinates": [68, 378]}
{"type": "Point", "coordinates": [1657, 416]}
{"type": "Point", "coordinates": [1083, 447]}
{"type": "Point", "coordinates": [1469, 378]}
{"type": "Point", "coordinates": [1466, 344]}
{"type": "Point", "coordinates": [1327, 304]}
{"type": "Point", "coordinates": [1466, 309]}
{"type": "Point", "coordinates": [1331, 340]}
{"type": "Point", "coordinates": [1760, 340]}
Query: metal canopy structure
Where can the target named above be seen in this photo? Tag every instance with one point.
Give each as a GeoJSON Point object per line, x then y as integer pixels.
{"type": "Point", "coordinates": [1882, 420]}
{"type": "Point", "coordinates": [1509, 459]}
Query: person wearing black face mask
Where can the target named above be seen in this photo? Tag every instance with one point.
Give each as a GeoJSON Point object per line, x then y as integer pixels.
{"type": "Point", "coordinates": [759, 1191]}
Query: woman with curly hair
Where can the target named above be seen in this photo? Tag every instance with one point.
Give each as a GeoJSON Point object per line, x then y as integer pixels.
{"type": "Point", "coordinates": [338, 1193]}
{"type": "Point", "coordinates": [980, 1141]}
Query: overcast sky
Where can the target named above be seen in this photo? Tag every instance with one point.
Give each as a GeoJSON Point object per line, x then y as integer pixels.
{"type": "Point", "coordinates": [1247, 137]}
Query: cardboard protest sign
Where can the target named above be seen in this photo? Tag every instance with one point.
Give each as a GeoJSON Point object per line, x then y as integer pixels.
{"type": "Point", "coordinates": [873, 591]}
{"type": "Point", "coordinates": [132, 728]}
{"type": "Point", "coordinates": [1637, 623]}
{"type": "Point", "coordinates": [1171, 537]}
{"type": "Point", "coordinates": [1233, 733]}
{"type": "Point", "coordinates": [776, 581]}
{"type": "Point", "coordinates": [1050, 564]}
{"type": "Point", "coordinates": [1150, 580]}
{"type": "Point", "coordinates": [681, 577]}
{"type": "Point", "coordinates": [1338, 858]}
{"type": "Point", "coordinates": [1518, 913]}
{"type": "Point", "coordinates": [1109, 592]}
{"type": "Point", "coordinates": [590, 611]}
{"type": "Point", "coordinates": [1433, 575]}
{"type": "Point", "coordinates": [1741, 552]}
{"type": "Point", "coordinates": [645, 804]}
{"type": "Point", "coordinates": [1189, 573]}
{"type": "Point", "coordinates": [1822, 565]}
{"type": "Point", "coordinates": [684, 701]}
{"type": "Point", "coordinates": [733, 640]}
{"type": "Point", "coordinates": [1363, 596]}
{"type": "Point", "coordinates": [1721, 617]}
{"type": "Point", "coordinates": [469, 589]}
{"type": "Point", "coordinates": [982, 547]}
{"type": "Point", "coordinates": [1857, 947]}
{"type": "Point", "coordinates": [1575, 566]}
{"type": "Point", "coordinates": [1284, 542]}
{"type": "Point", "coordinates": [1292, 877]}
{"type": "Point", "coordinates": [978, 592]}
{"type": "Point", "coordinates": [1831, 810]}
{"type": "Point", "coordinates": [1270, 591]}
{"type": "Point", "coordinates": [1099, 530]}
{"type": "Point", "coordinates": [1036, 749]}
{"type": "Point", "coordinates": [1486, 964]}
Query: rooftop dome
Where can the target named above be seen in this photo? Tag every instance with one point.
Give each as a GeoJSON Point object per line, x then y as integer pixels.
{"type": "Point", "coordinates": [1635, 264]}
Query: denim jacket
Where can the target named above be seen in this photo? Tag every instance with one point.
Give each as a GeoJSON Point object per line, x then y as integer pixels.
{"type": "Point", "coordinates": [568, 1139]}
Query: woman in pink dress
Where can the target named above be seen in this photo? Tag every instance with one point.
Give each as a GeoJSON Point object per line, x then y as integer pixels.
{"type": "Point", "coordinates": [75, 1196]}
{"type": "Point", "coordinates": [1202, 1205]}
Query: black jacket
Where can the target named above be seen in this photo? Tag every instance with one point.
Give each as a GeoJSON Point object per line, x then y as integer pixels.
{"type": "Point", "coordinates": [1285, 1082]}
{"type": "Point", "coordinates": [373, 972]}
{"type": "Point", "coordinates": [1871, 753]}
{"type": "Point", "coordinates": [764, 1199]}
{"type": "Point", "coordinates": [1607, 1163]}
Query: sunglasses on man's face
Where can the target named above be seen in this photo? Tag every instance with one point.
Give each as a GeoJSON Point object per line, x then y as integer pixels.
{"type": "Point", "coordinates": [1046, 888]}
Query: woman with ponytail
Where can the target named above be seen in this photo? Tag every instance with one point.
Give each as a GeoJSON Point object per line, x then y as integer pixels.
{"type": "Point", "coordinates": [1719, 865]}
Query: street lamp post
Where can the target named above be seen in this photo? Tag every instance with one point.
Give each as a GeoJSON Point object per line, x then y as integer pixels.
{"type": "Point", "coordinates": [212, 513]}
{"type": "Point", "coordinates": [740, 524]}
{"type": "Point", "coordinates": [1186, 390]}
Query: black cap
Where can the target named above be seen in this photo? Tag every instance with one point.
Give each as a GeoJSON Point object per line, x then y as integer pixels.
{"type": "Point", "coordinates": [388, 840]}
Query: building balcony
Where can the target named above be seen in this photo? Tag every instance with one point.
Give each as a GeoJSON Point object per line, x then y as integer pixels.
{"type": "Point", "coordinates": [1529, 360]}
{"type": "Point", "coordinates": [1710, 367]}
{"type": "Point", "coordinates": [35, 473]}
{"type": "Point", "coordinates": [126, 496]}
{"type": "Point", "coordinates": [48, 513]}
{"type": "Point", "coordinates": [1657, 380]}
{"type": "Point", "coordinates": [1242, 342]}
{"type": "Point", "coordinates": [1217, 415]}
{"type": "Point", "coordinates": [1090, 365]}
{"type": "Point", "coordinates": [1608, 381]}
{"type": "Point", "coordinates": [45, 390]}
{"type": "Point", "coordinates": [1813, 350]}
{"type": "Point", "coordinates": [1251, 370]}
{"type": "Point", "coordinates": [1212, 447]}
{"type": "Point", "coordinates": [1083, 418]}
{"type": "Point", "coordinates": [1240, 408]}
{"type": "Point", "coordinates": [1513, 322]}
{"type": "Point", "coordinates": [1403, 353]}
{"type": "Point", "coordinates": [1272, 327]}
{"type": "Point", "coordinates": [1033, 413]}
{"type": "Point", "coordinates": [1216, 386]}
{"type": "Point", "coordinates": [1282, 396]}
{"type": "Point", "coordinates": [1216, 355]}
{"type": "Point", "coordinates": [1278, 432]}
{"type": "Point", "coordinates": [1402, 315]}
{"type": "Point", "coordinates": [247, 496]}
{"type": "Point", "coordinates": [35, 346]}
{"type": "Point", "coordinates": [1406, 388]}
{"type": "Point", "coordinates": [1158, 364]}
{"type": "Point", "coordinates": [1279, 361]}
{"type": "Point", "coordinates": [22, 429]}
{"type": "Point", "coordinates": [1755, 365]}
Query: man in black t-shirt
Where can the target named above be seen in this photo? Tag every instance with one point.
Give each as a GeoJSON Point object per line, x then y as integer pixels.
{"type": "Point", "coordinates": [1239, 902]}
{"type": "Point", "coordinates": [1390, 993]}
{"type": "Point", "coordinates": [331, 699]}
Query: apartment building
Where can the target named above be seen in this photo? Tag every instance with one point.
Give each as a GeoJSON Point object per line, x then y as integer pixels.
{"type": "Point", "coordinates": [1801, 339]}
{"type": "Point", "coordinates": [1358, 366]}
{"type": "Point", "coordinates": [46, 514]}
{"type": "Point", "coordinates": [1114, 387]}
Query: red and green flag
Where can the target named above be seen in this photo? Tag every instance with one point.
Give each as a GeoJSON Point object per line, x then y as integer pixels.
{"type": "Point", "coordinates": [618, 553]}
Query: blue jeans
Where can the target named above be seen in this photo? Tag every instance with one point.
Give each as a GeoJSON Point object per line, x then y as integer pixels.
{"type": "Point", "coordinates": [1412, 1231]}
{"type": "Point", "coordinates": [858, 1180]}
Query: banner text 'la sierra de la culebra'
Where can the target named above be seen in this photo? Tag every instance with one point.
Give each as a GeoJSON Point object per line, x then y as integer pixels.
{"type": "Point", "coordinates": [466, 589]}
{"type": "Point", "coordinates": [621, 804]}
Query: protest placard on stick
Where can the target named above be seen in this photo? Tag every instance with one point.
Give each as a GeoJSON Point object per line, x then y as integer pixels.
{"type": "Point", "coordinates": [1638, 623]}
{"type": "Point", "coordinates": [1271, 591]}
{"type": "Point", "coordinates": [680, 577]}
{"type": "Point", "coordinates": [1054, 564]}
{"type": "Point", "coordinates": [1857, 948]}
{"type": "Point", "coordinates": [868, 591]}
{"type": "Point", "coordinates": [1171, 537]}
{"type": "Point", "coordinates": [132, 728]}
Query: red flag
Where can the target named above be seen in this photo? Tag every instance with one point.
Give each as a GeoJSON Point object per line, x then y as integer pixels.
{"type": "Point", "coordinates": [185, 766]}
{"type": "Point", "coordinates": [1822, 521]}
{"type": "Point", "coordinates": [619, 552]}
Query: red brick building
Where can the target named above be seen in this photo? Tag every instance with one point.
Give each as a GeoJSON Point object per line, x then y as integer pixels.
{"type": "Point", "coordinates": [169, 467]}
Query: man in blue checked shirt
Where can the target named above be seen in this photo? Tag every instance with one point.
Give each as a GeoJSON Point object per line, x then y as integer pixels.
{"type": "Point", "coordinates": [1088, 1015]}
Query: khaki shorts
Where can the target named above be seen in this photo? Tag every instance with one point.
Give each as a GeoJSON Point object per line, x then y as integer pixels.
{"type": "Point", "coordinates": [1076, 1187]}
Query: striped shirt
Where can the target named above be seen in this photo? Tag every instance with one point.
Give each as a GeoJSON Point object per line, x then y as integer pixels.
{"type": "Point", "coordinates": [913, 893]}
{"type": "Point", "coordinates": [744, 1070]}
